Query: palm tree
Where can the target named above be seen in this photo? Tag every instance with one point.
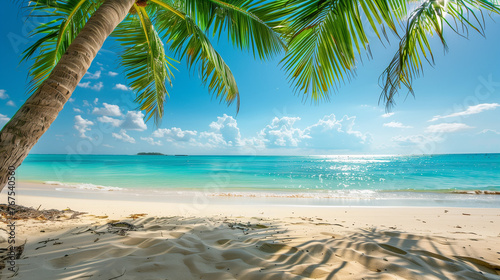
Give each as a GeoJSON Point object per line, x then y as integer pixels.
{"type": "Point", "coordinates": [78, 29]}
{"type": "Point", "coordinates": [328, 37]}
{"type": "Point", "coordinates": [323, 40]}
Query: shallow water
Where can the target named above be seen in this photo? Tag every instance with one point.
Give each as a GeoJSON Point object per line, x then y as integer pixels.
{"type": "Point", "coordinates": [342, 176]}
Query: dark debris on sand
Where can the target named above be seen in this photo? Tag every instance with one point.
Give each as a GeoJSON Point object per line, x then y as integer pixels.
{"type": "Point", "coordinates": [26, 213]}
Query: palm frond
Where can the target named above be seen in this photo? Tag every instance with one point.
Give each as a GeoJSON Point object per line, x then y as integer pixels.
{"type": "Point", "coordinates": [67, 19]}
{"type": "Point", "coordinates": [429, 18]}
{"type": "Point", "coordinates": [327, 36]}
{"type": "Point", "coordinates": [188, 41]}
{"type": "Point", "coordinates": [249, 25]}
{"type": "Point", "coordinates": [146, 66]}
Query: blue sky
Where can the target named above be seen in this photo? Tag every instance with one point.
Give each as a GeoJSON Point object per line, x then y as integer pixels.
{"type": "Point", "coordinates": [456, 109]}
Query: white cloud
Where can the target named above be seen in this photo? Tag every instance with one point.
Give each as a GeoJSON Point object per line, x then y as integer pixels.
{"type": "Point", "coordinates": [396, 125]}
{"type": "Point", "coordinates": [3, 120]}
{"type": "Point", "coordinates": [3, 95]}
{"type": "Point", "coordinates": [107, 146]}
{"type": "Point", "coordinates": [112, 74]}
{"type": "Point", "coordinates": [224, 131]}
{"type": "Point", "coordinates": [82, 126]}
{"type": "Point", "coordinates": [97, 87]}
{"type": "Point", "coordinates": [281, 132]}
{"type": "Point", "coordinates": [447, 127]}
{"type": "Point", "coordinates": [94, 76]}
{"type": "Point", "coordinates": [175, 134]}
{"type": "Point", "coordinates": [84, 85]}
{"type": "Point", "coordinates": [332, 133]}
{"type": "Point", "coordinates": [10, 103]}
{"type": "Point", "coordinates": [108, 110]}
{"type": "Point", "coordinates": [112, 121]}
{"type": "Point", "coordinates": [386, 115]}
{"type": "Point", "coordinates": [78, 110]}
{"type": "Point", "coordinates": [471, 110]}
{"type": "Point", "coordinates": [71, 100]}
{"type": "Point", "coordinates": [96, 100]}
{"type": "Point", "coordinates": [86, 103]}
{"type": "Point", "coordinates": [123, 136]}
{"type": "Point", "coordinates": [151, 141]}
{"type": "Point", "coordinates": [121, 87]}
{"type": "Point", "coordinates": [134, 120]}
{"type": "Point", "coordinates": [484, 131]}
{"type": "Point", "coordinates": [416, 139]}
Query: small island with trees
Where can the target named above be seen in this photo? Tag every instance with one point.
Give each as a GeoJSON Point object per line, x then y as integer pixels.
{"type": "Point", "coordinates": [150, 154]}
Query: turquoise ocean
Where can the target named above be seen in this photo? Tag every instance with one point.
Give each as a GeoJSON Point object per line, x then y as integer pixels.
{"type": "Point", "coordinates": [461, 180]}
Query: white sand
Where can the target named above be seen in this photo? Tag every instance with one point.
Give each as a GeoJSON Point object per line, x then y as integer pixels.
{"type": "Point", "coordinates": [225, 240]}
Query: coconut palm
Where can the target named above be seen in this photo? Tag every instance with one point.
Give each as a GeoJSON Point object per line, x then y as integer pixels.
{"type": "Point", "coordinates": [323, 40]}
{"type": "Point", "coordinates": [328, 38]}
{"type": "Point", "coordinates": [78, 28]}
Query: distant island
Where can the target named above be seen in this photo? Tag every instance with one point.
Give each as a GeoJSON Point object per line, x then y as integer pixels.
{"type": "Point", "coordinates": [158, 154]}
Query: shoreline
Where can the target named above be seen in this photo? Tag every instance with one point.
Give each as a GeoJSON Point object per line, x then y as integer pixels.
{"type": "Point", "coordinates": [237, 238]}
{"type": "Point", "coordinates": [291, 198]}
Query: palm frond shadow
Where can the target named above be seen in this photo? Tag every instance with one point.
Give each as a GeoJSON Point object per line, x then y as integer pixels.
{"type": "Point", "coordinates": [233, 249]}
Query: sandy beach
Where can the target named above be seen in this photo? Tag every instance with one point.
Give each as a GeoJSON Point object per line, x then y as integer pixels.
{"type": "Point", "coordinates": [250, 140]}
{"type": "Point", "coordinates": [236, 239]}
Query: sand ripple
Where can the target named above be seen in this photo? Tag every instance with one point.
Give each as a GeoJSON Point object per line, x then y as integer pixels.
{"type": "Point", "coordinates": [253, 248]}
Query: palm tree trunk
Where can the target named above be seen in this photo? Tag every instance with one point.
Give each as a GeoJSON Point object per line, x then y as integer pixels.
{"type": "Point", "coordinates": [36, 115]}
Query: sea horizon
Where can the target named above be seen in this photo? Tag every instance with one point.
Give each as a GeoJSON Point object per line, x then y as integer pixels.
{"type": "Point", "coordinates": [274, 155]}
{"type": "Point", "coordinates": [463, 179]}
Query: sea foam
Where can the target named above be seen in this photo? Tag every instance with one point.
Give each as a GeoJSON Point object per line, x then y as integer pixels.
{"type": "Point", "coordinates": [81, 186]}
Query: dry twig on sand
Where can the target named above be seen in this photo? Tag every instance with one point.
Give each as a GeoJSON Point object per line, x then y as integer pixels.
{"type": "Point", "coordinates": [25, 213]}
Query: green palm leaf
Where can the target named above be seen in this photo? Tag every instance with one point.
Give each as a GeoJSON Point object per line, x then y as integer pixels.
{"type": "Point", "coordinates": [429, 18]}
{"type": "Point", "coordinates": [250, 25]}
{"type": "Point", "coordinates": [68, 18]}
{"type": "Point", "coordinates": [146, 66]}
{"type": "Point", "coordinates": [327, 36]}
{"type": "Point", "coordinates": [188, 41]}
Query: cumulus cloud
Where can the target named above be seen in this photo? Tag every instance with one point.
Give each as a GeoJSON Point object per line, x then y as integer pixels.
{"type": "Point", "coordinates": [3, 120]}
{"type": "Point", "coordinates": [86, 103]}
{"type": "Point", "coordinates": [484, 131]}
{"type": "Point", "coordinates": [71, 100]}
{"type": "Point", "coordinates": [151, 141]}
{"type": "Point", "coordinates": [416, 139]}
{"type": "Point", "coordinates": [82, 126]}
{"type": "Point", "coordinates": [122, 87]}
{"type": "Point", "coordinates": [123, 136]}
{"type": "Point", "coordinates": [386, 115]}
{"type": "Point", "coordinates": [134, 120]}
{"type": "Point", "coordinates": [175, 134]}
{"type": "Point", "coordinates": [97, 87]}
{"type": "Point", "coordinates": [471, 110]}
{"type": "Point", "coordinates": [11, 103]}
{"type": "Point", "coordinates": [114, 122]}
{"type": "Point", "coordinates": [96, 100]}
{"type": "Point", "coordinates": [447, 127]}
{"type": "Point", "coordinates": [396, 125]}
{"type": "Point", "coordinates": [108, 110]}
{"type": "Point", "coordinates": [3, 95]}
{"type": "Point", "coordinates": [327, 133]}
{"type": "Point", "coordinates": [112, 74]}
{"type": "Point", "coordinates": [281, 132]}
{"type": "Point", "coordinates": [332, 133]}
{"type": "Point", "coordinates": [78, 110]}
{"type": "Point", "coordinates": [94, 76]}
{"type": "Point", "coordinates": [224, 132]}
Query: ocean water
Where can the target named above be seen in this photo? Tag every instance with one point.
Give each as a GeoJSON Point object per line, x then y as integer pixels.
{"type": "Point", "coordinates": [347, 177]}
